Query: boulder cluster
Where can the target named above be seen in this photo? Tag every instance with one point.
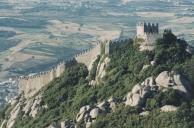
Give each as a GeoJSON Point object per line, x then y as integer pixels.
{"type": "Point", "coordinates": [137, 96]}
{"type": "Point", "coordinates": [163, 81]}
{"type": "Point", "coordinates": [88, 113]}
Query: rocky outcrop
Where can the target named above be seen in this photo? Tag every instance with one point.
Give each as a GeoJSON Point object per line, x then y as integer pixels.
{"type": "Point", "coordinates": [94, 113]}
{"type": "Point", "coordinates": [164, 80]}
{"type": "Point", "coordinates": [88, 114]}
{"type": "Point", "coordinates": [133, 99]}
{"type": "Point", "coordinates": [145, 113]}
{"type": "Point", "coordinates": [29, 107]}
{"type": "Point", "coordinates": [14, 113]}
{"type": "Point", "coordinates": [168, 108]}
{"type": "Point", "coordinates": [101, 68]}
{"type": "Point", "coordinates": [82, 113]}
{"type": "Point", "coordinates": [32, 106]}
{"type": "Point", "coordinates": [139, 92]}
{"type": "Point", "coordinates": [137, 96]}
{"type": "Point", "coordinates": [35, 108]}
{"type": "Point", "coordinates": [172, 80]}
{"type": "Point", "coordinates": [101, 72]}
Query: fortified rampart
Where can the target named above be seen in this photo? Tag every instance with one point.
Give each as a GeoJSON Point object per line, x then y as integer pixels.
{"type": "Point", "coordinates": [87, 57]}
{"type": "Point", "coordinates": [30, 85]}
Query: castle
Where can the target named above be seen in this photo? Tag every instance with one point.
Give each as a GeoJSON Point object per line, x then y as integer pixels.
{"type": "Point", "coordinates": [30, 85]}
{"type": "Point", "coordinates": [147, 34]}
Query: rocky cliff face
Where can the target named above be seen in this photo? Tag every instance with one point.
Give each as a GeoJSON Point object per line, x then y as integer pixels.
{"type": "Point", "coordinates": [24, 107]}
{"type": "Point", "coordinates": [100, 70]}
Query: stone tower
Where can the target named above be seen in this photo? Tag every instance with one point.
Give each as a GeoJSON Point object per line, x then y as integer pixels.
{"type": "Point", "coordinates": [148, 33]}
{"type": "Point", "coordinates": [147, 28]}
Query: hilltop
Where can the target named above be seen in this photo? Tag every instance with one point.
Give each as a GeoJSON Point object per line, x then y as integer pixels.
{"type": "Point", "coordinates": [124, 88]}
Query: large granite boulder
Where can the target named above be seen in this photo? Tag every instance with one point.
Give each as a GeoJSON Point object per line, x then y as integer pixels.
{"type": "Point", "coordinates": [94, 113]}
{"type": "Point", "coordinates": [172, 80]}
{"type": "Point", "coordinates": [136, 89]}
{"type": "Point", "coordinates": [133, 99]}
{"type": "Point", "coordinates": [88, 124]}
{"type": "Point", "coordinates": [139, 92]}
{"type": "Point", "coordinates": [164, 79]}
{"type": "Point", "coordinates": [83, 110]}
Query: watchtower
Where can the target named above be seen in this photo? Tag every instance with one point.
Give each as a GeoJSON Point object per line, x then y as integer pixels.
{"type": "Point", "coordinates": [147, 28]}
{"type": "Point", "coordinates": [148, 33]}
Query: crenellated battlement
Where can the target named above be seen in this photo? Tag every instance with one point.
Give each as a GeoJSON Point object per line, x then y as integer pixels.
{"type": "Point", "coordinates": [149, 33]}
{"type": "Point", "coordinates": [147, 28]}
{"type": "Point", "coordinates": [31, 84]}
{"type": "Point", "coordinates": [60, 65]}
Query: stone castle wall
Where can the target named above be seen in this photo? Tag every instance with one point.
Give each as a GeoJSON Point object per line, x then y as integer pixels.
{"type": "Point", "coordinates": [150, 39]}
{"type": "Point", "coordinates": [30, 85]}
{"type": "Point", "coordinates": [87, 57]}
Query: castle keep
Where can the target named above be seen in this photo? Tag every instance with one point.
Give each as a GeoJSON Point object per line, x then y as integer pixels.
{"type": "Point", "coordinates": [147, 33]}
{"type": "Point", "coordinates": [147, 28]}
